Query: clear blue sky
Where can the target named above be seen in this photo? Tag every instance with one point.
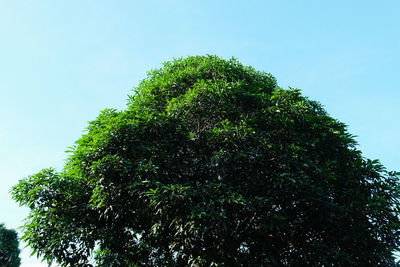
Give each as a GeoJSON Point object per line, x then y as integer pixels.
{"type": "Point", "coordinates": [61, 62]}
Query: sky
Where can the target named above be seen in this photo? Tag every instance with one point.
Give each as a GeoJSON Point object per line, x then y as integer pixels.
{"type": "Point", "coordinates": [61, 62]}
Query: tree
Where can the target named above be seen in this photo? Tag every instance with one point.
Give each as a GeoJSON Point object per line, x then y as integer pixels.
{"type": "Point", "coordinates": [212, 164]}
{"type": "Point", "coordinates": [9, 251]}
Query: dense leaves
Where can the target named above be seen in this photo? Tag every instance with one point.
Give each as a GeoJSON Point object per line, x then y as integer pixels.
{"type": "Point", "coordinates": [212, 164]}
{"type": "Point", "coordinates": [9, 251]}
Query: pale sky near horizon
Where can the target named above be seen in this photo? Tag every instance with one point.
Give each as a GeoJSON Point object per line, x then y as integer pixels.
{"type": "Point", "coordinates": [61, 62]}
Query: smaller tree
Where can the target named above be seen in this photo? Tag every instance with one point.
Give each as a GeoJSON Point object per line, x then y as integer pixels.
{"type": "Point", "coordinates": [9, 251]}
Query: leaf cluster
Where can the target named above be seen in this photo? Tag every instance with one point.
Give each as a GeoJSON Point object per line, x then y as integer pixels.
{"type": "Point", "coordinates": [9, 251]}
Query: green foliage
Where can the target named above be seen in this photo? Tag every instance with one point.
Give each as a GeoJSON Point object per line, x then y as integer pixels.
{"type": "Point", "coordinates": [9, 251]}
{"type": "Point", "coordinates": [212, 164]}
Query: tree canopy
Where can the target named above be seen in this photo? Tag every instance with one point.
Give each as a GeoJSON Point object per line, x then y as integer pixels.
{"type": "Point", "coordinates": [9, 251]}
{"type": "Point", "coordinates": [212, 164]}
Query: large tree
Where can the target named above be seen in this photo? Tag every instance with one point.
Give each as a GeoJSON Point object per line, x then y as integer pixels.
{"type": "Point", "coordinates": [212, 164]}
{"type": "Point", "coordinates": [9, 251]}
